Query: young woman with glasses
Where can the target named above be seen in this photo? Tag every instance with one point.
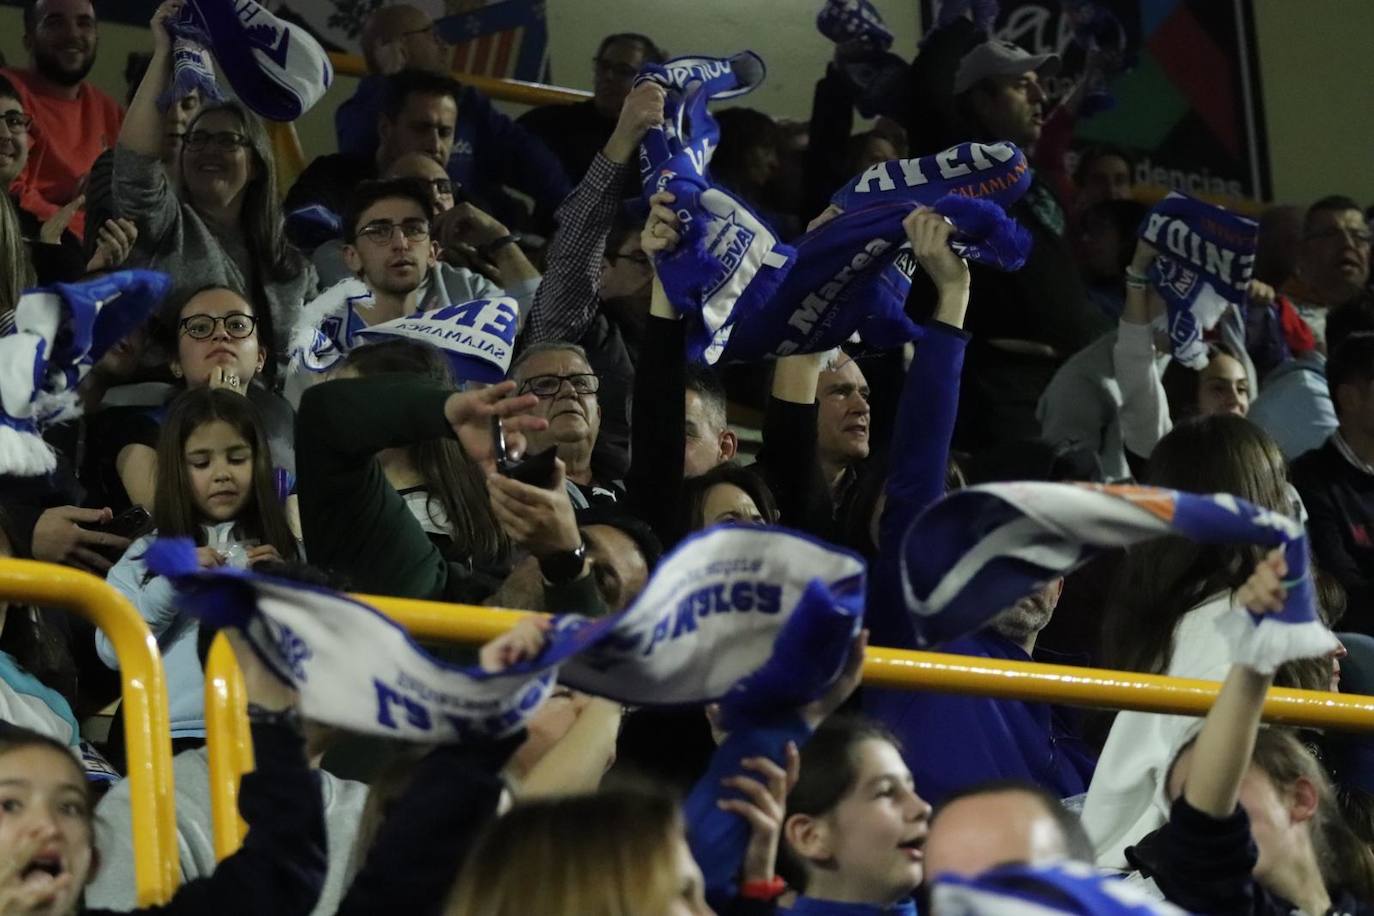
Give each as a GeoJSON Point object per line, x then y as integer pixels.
{"type": "Point", "coordinates": [226, 228]}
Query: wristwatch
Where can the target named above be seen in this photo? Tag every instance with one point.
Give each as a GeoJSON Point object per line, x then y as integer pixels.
{"type": "Point", "coordinates": [488, 249]}
{"type": "Point", "coordinates": [563, 566]}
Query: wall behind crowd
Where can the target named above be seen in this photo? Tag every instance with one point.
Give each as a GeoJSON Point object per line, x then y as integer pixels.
{"type": "Point", "coordinates": [1316, 71]}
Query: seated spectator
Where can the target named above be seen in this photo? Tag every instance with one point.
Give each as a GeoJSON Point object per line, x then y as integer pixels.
{"type": "Point", "coordinates": [747, 161]}
{"type": "Point", "coordinates": [855, 823]}
{"type": "Point", "coordinates": [576, 133]}
{"type": "Point", "coordinates": [343, 800]}
{"type": "Point", "coordinates": [279, 870]}
{"type": "Point", "coordinates": [710, 441]}
{"type": "Point", "coordinates": [420, 167]}
{"type": "Point", "coordinates": [217, 341]}
{"type": "Point", "coordinates": [50, 250]}
{"type": "Point", "coordinates": [214, 486]}
{"type": "Point", "coordinates": [1025, 324]}
{"type": "Point", "coordinates": [1000, 822]}
{"type": "Point", "coordinates": [997, 739]}
{"type": "Point", "coordinates": [484, 150]}
{"type": "Point", "coordinates": [598, 279]}
{"type": "Point", "coordinates": [1295, 405]}
{"type": "Point", "coordinates": [728, 494]}
{"type": "Point", "coordinates": [1332, 268]}
{"type": "Point", "coordinates": [1252, 814]}
{"type": "Point", "coordinates": [73, 120]}
{"type": "Point", "coordinates": [1104, 247]}
{"type": "Point", "coordinates": [1336, 481]}
{"type": "Point", "coordinates": [1103, 173]}
{"type": "Point", "coordinates": [1173, 610]}
{"type": "Point", "coordinates": [579, 855]}
{"type": "Point", "coordinates": [558, 374]}
{"type": "Point", "coordinates": [441, 486]}
{"type": "Point", "coordinates": [390, 244]}
{"type": "Point", "coordinates": [223, 225]}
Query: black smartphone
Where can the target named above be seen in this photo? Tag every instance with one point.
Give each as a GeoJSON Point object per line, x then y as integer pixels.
{"type": "Point", "coordinates": [536, 470]}
{"type": "Point", "coordinates": [130, 523]}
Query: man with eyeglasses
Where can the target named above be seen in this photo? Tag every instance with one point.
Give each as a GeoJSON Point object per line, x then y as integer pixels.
{"type": "Point", "coordinates": [1332, 265]}
{"type": "Point", "coordinates": [576, 133]}
{"type": "Point", "coordinates": [390, 246]}
{"type": "Point", "coordinates": [73, 120]}
{"type": "Point", "coordinates": [488, 151]}
{"type": "Point", "coordinates": [557, 372]}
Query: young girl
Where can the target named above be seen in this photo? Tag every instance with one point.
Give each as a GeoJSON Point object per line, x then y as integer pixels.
{"type": "Point", "coordinates": [47, 854]}
{"type": "Point", "coordinates": [855, 823]}
{"type": "Point", "coordinates": [1254, 827]}
{"type": "Point", "coordinates": [215, 487]}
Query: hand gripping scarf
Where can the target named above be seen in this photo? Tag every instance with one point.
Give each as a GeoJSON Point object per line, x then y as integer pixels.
{"type": "Point", "coordinates": [854, 20]}
{"type": "Point", "coordinates": [758, 619]}
{"type": "Point", "coordinates": [978, 551]}
{"type": "Point", "coordinates": [747, 296]}
{"type": "Point", "coordinates": [852, 274]}
{"type": "Point", "coordinates": [276, 68]}
{"type": "Point", "coordinates": [1206, 256]}
{"type": "Point", "coordinates": [60, 332]}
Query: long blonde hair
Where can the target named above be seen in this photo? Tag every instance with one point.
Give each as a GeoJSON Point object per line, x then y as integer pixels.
{"type": "Point", "coordinates": [610, 854]}
{"type": "Point", "coordinates": [15, 262]}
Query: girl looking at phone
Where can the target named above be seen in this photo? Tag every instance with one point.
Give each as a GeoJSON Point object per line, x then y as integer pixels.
{"type": "Point", "coordinates": [216, 487]}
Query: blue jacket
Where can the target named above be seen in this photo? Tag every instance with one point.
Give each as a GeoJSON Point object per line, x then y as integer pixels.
{"type": "Point", "coordinates": [489, 149]}
{"type": "Point", "coordinates": [996, 738]}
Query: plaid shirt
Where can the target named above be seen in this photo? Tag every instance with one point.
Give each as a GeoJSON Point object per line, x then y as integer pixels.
{"type": "Point", "coordinates": [567, 298]}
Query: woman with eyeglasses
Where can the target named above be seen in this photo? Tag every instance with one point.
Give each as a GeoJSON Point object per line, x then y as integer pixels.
{"type": "Point", "coordinates": [223, 226]}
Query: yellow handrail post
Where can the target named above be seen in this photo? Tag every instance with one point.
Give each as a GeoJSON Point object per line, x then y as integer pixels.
{"type": "Point", "coordinates": [504, 90]}
{"type": "Point", "coordinates": [231, 751]}
{"type": "Point", "coordinates": [146, 729]}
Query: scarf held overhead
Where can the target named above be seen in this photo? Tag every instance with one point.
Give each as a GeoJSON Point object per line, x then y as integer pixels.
{"type": "Point", "coordinates": [747, 296]}
{"type": "Point", "coordinates": [758, 619]}
{"type": "Point", "coordinates": [978, 551]}
{"type": "Point", "coordinates": [276, 68]}
{"type": "Point", "coordinates": [1206, 257]}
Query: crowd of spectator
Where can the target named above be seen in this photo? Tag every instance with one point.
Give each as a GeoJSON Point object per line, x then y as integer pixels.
{"type": "Point", "coordinates": [254, 415]}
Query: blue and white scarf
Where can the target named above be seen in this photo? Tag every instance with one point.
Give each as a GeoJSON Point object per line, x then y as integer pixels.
{"type": "Point", "coordinates": [60, 332]}
{"type": "Point", "coordinates": [1071, 888]}
{"type": "Point", "coordinates": [1206, 257]}
{"type": "Point", "coordinates": [193, 70]}
{"type": "Point", "coordinates": [854, 20]}
{"type": "Point", "coordinates": [852, 274]}
{"type": "Point", "coordinates": [747, 296]}
{"type": "Point", "coordinates": [758, 619]}
{"type": "Point", "coordinates": [978, 551]}
{"type": "Point", "coordinates": [276, 68]}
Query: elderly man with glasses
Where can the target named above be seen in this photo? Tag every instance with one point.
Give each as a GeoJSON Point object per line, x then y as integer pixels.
{"type": "Point", "coordinates": [557, 372]}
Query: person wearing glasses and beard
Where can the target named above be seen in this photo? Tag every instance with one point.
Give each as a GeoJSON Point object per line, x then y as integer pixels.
{"type": "Point", "coordinates": [576, 133]}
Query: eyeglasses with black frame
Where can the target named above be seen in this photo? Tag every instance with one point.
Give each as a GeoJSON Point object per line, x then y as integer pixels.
{"type": "Point", "coordinates": [440, 185]}
{"type": "Point", "coordinates": [637, 258]}
{"type": "Point", "coordinates": [1356, 235]}
{"type": "Point", "coordinates": [224, 140]}
{"type": "Point", "coordinates": [237, 325]}
{"type": "Point", "coordinates": [548, 386]}
{"type": "Point", "coordinates": [17, 121]}
{"type": "Point", "coordinates": [381, 231]}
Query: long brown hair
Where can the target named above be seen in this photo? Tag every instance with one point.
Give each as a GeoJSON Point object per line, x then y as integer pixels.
{"type": "Point", "coordinates": [262, 223]}
{"type": "Point", "coordinates": [174, 508]}
{"type": "Point", "coordinates": [16, 266]}
{"type": "Point", "coordinates": [1163, 579]}
{"type": "Point", "coordinates": [610, 854]}
{"type": "Point", "coordinates": [450, 476]}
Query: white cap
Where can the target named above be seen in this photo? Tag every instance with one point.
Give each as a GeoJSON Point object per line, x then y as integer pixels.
{"type": "Point", "coordinates": [996, 57]}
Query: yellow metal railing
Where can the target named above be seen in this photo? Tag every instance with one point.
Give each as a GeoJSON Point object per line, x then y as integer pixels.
{"type": "Point", "coordinates": [897, 668]}
{"type": "Point", "coordinates": [505, 90]}
{"type": "Point", "coordinates": [146, 730]}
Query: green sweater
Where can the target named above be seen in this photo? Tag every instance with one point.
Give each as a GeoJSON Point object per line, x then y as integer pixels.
{"type": "Point", "coordinates": [355, 523]}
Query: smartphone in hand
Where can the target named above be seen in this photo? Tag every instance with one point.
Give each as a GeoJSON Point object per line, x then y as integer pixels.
{"type": "Point", "coordinates": [129, 524]}
{"type": "Point", "coordinates": [536, 470]}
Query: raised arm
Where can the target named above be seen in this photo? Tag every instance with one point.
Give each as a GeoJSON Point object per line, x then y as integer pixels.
{"type": "Point", "coordinates": [142, 129]}
{"type": "Point", "coordinates": [1144, 408]}
{"type": "Point", "coordinates": [567, 297]}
